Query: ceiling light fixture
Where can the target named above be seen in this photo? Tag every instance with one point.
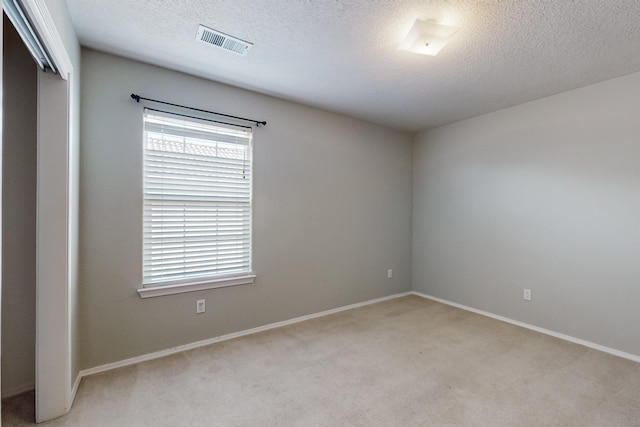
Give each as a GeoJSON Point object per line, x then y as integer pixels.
{"type": "Point", "coordinates": [427, 37]}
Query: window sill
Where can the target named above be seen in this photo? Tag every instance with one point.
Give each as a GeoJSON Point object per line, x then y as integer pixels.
{"type": "Point", "coordinates": [161, 290]}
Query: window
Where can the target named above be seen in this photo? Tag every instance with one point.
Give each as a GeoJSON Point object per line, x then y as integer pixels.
{"type": "Point", "coordinates": [197, 204]}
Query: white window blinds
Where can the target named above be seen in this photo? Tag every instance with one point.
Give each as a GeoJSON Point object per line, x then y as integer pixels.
{"type": "Point", "coordinates": [197, 200]}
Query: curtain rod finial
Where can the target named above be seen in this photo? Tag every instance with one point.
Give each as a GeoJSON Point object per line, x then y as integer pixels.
{"type": "Point", "coordinates": [136, 97]}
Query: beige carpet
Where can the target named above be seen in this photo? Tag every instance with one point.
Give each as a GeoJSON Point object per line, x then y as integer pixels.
{"type": "Point", "coordinates": [404, 362]}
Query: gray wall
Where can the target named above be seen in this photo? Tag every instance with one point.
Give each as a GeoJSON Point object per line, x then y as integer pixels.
{"type": "Point", "coordinates": [19, 215]}
{"type": "Point", "coordinates": [546, 196]}
{"type": "Point", "coordinates": [332, 212]}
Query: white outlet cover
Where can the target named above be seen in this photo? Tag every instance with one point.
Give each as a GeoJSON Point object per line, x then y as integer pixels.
{"type": "Point", "coordinates": [200, 306]}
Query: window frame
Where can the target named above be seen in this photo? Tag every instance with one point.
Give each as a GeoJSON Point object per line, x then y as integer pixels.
{"type": "Point", "coordinates": [204, 282]}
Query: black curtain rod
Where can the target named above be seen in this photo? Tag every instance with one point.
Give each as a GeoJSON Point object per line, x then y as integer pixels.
{"type": "Point", "coordinates": [257, 122]}
{"type": "Point", "coordinates": [194, 117]}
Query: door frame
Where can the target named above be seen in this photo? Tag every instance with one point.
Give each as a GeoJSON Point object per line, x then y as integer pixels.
{"type": "Point", "coordinates": [55, 210]}
{"type": "Point", "coordinates": [1, 153]}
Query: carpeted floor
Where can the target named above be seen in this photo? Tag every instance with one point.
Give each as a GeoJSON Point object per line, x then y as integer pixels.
{"type": "Point", "coordinates": [403, 362]}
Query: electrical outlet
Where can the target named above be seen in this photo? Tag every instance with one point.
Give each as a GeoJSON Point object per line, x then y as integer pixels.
{"type": "Point", "coordinates": [200, 307]}
{"type": "Point", "coordinates": [389, 274]}
{"type": "Point", "coordinates": [527, 295]}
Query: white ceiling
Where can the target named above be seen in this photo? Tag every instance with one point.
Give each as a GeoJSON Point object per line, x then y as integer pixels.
{"type": "Point", "coordinates": [340, 55]}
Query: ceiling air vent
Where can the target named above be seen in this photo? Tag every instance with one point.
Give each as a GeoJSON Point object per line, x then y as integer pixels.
{"type": "Point", "coordinates": [222, 41]}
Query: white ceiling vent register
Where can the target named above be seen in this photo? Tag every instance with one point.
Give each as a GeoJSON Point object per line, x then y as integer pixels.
{"type": "Point", "coordinates": [222, 41]}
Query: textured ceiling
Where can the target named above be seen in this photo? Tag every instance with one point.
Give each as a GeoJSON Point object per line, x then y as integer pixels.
{"type": "Point", "coordinates": [340, 55]}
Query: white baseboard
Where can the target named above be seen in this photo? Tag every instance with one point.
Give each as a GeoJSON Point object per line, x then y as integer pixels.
{"type": "Point", "coordinates": [203, 343]}
{"type": "Point", "coordinates": [74, 388]}
{"type": "Point", "coordinates": [17, 390]}
{"type": "Point", "coordinates": [569, 338]}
